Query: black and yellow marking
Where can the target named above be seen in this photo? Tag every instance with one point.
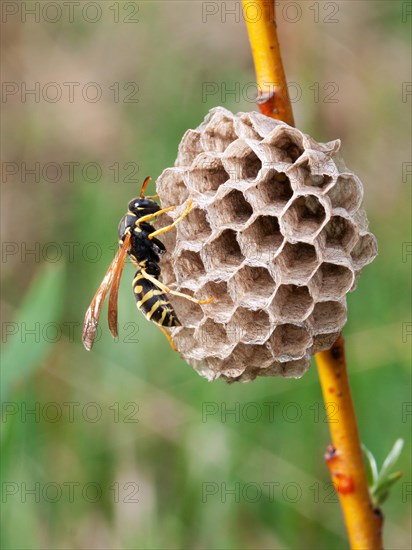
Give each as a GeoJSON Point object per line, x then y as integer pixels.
{"type": "Point", "coordinates": [138, 239]}
{"type": "Point", "coordinates": [153, 303]}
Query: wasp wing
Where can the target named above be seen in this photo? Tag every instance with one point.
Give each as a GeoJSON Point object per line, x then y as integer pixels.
{"type": "Point", "coordinates": [114, 291]}
{"type": "Point", "coordinates": [92, 316]}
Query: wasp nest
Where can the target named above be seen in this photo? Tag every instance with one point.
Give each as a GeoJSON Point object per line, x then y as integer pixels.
{"type": "Point", "coordinates": [276, 234]}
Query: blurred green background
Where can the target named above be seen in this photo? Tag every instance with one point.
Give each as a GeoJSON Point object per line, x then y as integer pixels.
{"type": "Point", "coordinates": [126, 446]}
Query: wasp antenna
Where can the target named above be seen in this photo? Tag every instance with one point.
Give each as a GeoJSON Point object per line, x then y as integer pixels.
{"type": "Point", "coordinates": [144, 185]}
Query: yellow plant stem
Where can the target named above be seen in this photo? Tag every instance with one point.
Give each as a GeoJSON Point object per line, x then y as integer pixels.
{"type": "Point", "coordinates": [273, 96]}
{"type": "Point", "coordinates": [344, 456]}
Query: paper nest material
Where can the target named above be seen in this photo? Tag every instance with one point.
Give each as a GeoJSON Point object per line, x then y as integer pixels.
{"type": "Point", "coordinates": [277, 235]}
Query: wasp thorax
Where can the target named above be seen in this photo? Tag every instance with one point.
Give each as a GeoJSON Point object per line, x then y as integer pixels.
{"type": "Point", "coordinates": [276, 234]}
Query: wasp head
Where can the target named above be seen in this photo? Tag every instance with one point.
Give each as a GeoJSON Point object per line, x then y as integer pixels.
{"type": "Point", "coordinates": [143, 206]}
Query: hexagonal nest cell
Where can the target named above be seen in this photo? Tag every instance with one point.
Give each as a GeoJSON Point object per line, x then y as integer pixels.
{"type": "Point", "coordinates": [289, 342]}
{"type": "Point", "coordinates": [276, 235]}
{"type": "Point", "coordinates": [347, 193]}
{"type": "Point", "coordinates": [220, 310]}
{"type": "Point", "coordinates": [287, 369]}
{"type": "Point", "coordinates": [197, 217]}
{"type": "Point", "coordinates": [247, 357]}
{"type": "Point", "coordinates": [168, 276]}
{"type": "Point", "coordinates": [230, 210]}
{"type": "Point", "coordinates": [288, 143]}
{"type": "Point", "coordinates": [241, 162]}
{"type": "Point", "coordinates": [189, 148]}
{"type": "Point", "coordinates": [207, 174]}
{"type": "Point", "coordinates": [294, 369]}
{"type": "Point", "coordinates": [327, 317]}
{"type": "Point", "coordinates": [212, 335]}
{"type": "Point", "coordinates": [178, 192]}
{"type": "Point", "coordinates": [311, 180]}
{"type": "Point", "coordinates": [273, 191]}
{"type": "Point", "coordinates": [339, 234]}
{"type": "Point", "coordinates": [187, 341]}
{"type": "Point", "coordinates": [187, 310]}
{"type": "Point", "coordinates": [304, 217]}
{"type": "Point", "coordinates": [297, 262]}
{"type": "Point", "coordinates": [222, 254]}
{"type": "Point", "coordinates": [188, 267]}
{"type": "Point", "coordinates": [219, 133]}
{"type": "Point", "coordinates": [332, 281]}
{"type": "Point", "coordinates": [262, 239]}
{"type": "Point", "coordinates": [324, 341]}
{"type": "Point", "coordinates": [249, 327]}
{"type": "Point", "coordinates": [251, 286]}
{"type": "Point", "coordinates": [246, 129]}
{"type": "Point", "coordinates": [292, 303]}
{"type": "Point", "coordinates": [364, 251]}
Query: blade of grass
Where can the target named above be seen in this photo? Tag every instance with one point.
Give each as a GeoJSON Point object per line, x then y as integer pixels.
{"type": "Point", "coordinates": [25, 351]}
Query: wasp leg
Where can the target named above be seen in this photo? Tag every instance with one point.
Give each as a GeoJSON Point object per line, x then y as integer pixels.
{"type": "Point", "coordinates": [177, 220]}
{"type": "Point", "coordinates": [151, 216]}
{"type": "Point", "coordinates": [174, 292]}
{"type": "Point", "coordinates": [169, 338]}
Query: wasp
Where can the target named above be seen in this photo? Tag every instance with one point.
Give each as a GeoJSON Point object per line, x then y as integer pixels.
{"type": "Point", "coordinates": [138, 240]}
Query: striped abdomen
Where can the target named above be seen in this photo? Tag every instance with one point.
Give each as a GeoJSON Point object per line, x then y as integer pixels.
{"type": "Point", "coordinates": [153, 302]}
